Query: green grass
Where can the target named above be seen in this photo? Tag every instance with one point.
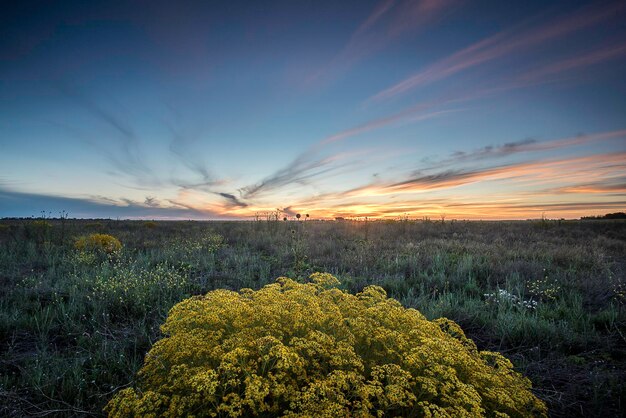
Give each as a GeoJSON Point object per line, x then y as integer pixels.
{"type": "Point", "coordinates": [75, 327]}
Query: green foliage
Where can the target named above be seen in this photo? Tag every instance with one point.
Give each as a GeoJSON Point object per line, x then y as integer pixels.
{"type": "Point", "coordinates": [38, 231]}
{"type": "Point", "coordinates": [41, 224]}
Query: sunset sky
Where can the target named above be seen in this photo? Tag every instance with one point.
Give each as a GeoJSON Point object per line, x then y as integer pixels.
{"type": "Point", "coordinates": [219, 110]}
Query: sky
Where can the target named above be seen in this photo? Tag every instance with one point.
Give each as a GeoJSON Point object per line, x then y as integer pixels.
{"type": "Point", "coordinates": [381, 109]}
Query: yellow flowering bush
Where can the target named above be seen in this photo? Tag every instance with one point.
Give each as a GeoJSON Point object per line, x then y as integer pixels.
{"type": "Point", "coordinates": [98, 242]}
{"type": "Point", "coordinates": [313, 350]}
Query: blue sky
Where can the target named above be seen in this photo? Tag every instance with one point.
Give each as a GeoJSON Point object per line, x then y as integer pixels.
{"type": "Point", "coordinates": [219, 110]}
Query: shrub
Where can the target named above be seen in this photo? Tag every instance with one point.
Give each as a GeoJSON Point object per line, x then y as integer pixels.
{"type": "Point", "coordinates": [98, 243]}
{"type": "Point", "coordinates": [38, 230]}
{"type": "Point", "coordinates": [313, 350]}
{"type": "Point", "coordinates": [94, 225]}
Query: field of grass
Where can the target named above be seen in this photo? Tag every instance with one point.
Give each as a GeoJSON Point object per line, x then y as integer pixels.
{"type": "Point", "coordinates": [75, 326]}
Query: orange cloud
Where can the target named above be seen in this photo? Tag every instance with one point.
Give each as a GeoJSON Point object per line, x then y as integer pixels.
{"type": "Point", "coordinates": [594, 189]}
{"type": "Point", "coordinates": [522, 198]}
{"type": "Point", "coordinates": [562, 187]}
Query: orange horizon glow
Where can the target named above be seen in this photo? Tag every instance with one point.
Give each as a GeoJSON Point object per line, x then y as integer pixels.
{"type": "Point", "coordinates": [569, 188]}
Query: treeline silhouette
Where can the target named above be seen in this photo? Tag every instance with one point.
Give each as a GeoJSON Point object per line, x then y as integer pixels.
{"type": "Point", "coordinates": [616, 215]}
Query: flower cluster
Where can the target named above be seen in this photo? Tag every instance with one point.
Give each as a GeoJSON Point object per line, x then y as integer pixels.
{"type": "Point", "coordinates": [619, 291]}
{"type": "Point", "coordinates": [186, 248]}
{"type": "Point", "coordinates": [312, 350]}
{"type": "Point", "coordinates": [544, 288]}
{"type": "Point", "coordinates": [131, 286]}
{"type": "Point", "coordinates": [98, 243]}
{"type": "Point", "coordinates": [506, 297]}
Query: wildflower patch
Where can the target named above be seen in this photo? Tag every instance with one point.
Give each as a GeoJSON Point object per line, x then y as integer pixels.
{"type": "Point", "coordinates": [98, 243]}
{"type": "Point", "coordinates": [303, 350]}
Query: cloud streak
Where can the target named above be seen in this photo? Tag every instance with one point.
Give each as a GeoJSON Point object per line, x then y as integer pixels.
{"type": "Point", "coordinates": [553, 170]}
{"type": "Point", "coordinates": [309, 164]}
{"type": "Point", "coordinates": [233, 200]}
{"type": "Point", "coordinates": [388, 21]}
{"type": "Point", "coordinates": [303, 168]}
{"type": "Point", "coordinates": [126, 157]}
{"type": "Point", "coordinates": [570, 171]}
{"type": "Point", "coordinates": [618, 188]}
{"type": "Point", "coordinates": [179, 146]}
{"type": "Point", "coordinates": [499, 45]}
{"type": "Point", "coordinates": [528, 145]}
{"type": "Point", "coordinates": [578, 61]}
{"type": "Point", "coordinates": [17, 204]}
{"type": "Point", "coordinates": [412, 114]}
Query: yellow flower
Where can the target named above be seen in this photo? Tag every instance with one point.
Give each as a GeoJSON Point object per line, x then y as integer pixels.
{"type": "Point", "coordinates": [98, 242]}
{"type": "Point", "coordinates": [312, 350]}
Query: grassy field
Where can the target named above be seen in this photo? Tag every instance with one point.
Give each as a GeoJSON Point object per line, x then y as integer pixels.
{"type": "Point", "coordinates": [550, 295]}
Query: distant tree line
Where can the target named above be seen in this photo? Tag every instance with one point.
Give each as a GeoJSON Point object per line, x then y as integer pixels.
{"type": "Point", "coordinates": [616, 215]}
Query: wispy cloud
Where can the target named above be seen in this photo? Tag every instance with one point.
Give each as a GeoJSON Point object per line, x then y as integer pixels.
{"type": "Point", "coordinates": [491, 151]}
{"type": "Point", "coordinates": [578, 61]}
{"type": "Point", "coordinates": [609, 188]}
{"type": "Point", "coordinates": [233, 200]}
{"type": "Point", "coordinates": [600, 168]}
{"type": "Point", "coordinates": [183, 146]}
{"type": "Point", "coordinates": [128, 160]}
{"type": "Point", "coordinates": [379, 11]}
{"type": "Point", "coordinates": [14, 203]}
{"type": "Point", "coordinates": [502, 44]}
{"type": "Point", "coordinates": [388, 21]}
{"type": "Point", "coordinates": [125, 156]}
{"type": "Point", "coordinates": [179, 146]}
{"type": "Point", "coordinates": [152, 202]}
{"type": "Point", "coordinates": [527, 145]}
{"type": "Point", "coordinates": [303, 168]}
{"type": "Point", "coordinates": [312, 163]}
{"type": "Point", "coordinates": [420, 183]}
{"type": "Point", "coordinates": [412, 114]}
{"type": "Point", "coordinates": [563, 169]}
